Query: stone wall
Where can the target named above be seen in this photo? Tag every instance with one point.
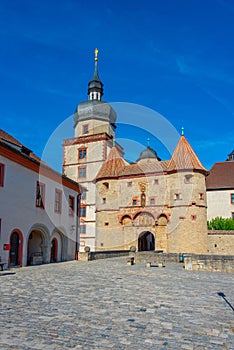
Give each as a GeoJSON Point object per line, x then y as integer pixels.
{"type": "Point", "coordinates": [87, 256]}
{"type": "Point", "coordinates": [155, 257]}
{"type": "Point", "coordinates": [213, 263]}
{"type": "Point", "coordinates": [221, 242]}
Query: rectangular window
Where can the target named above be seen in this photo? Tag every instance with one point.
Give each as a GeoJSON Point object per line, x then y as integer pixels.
{"type": "Point", "coordinates": [40, 195]}
{"type": "Point", "coordinates": [134, 202]}
{"type": "Point", "coordinates": [103, 200]}
{"type": "Point", "coordinates": [177, 196]}
{"type": "Point", "coordinates": [83, 195]}
{"type": "Point", "coordinates": [82, 153]}
{"type": "Point", "coordinates": [83, 229]}
{"type": "Point", "coordinates": [152, 201]}
{"type": "Point", "coordinates": [2, 173]}
{"type": "Point", "coordinates": [156, 181]}
{"type": "Point", "coordinates": [58, 201]}
{"type": "Point", "coordinates": [85, 129]}
{"type": "Point", "coordinates": [129, 184]}
{"type": "Point", "coordinates": [232, 198]}
{"type": "Point", "coordinates": [82, 212]}
{"type": "Point", "coordinates": [71, 203]}
{"type": "Point", "coordinates": [82, 171]}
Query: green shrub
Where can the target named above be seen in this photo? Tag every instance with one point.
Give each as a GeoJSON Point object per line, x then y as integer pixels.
{"type": "Point", "coordinates": [220, 223]}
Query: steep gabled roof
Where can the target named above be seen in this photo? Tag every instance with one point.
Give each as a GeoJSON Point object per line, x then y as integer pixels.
{"type": "Point", "coordinates": [221, 176]}
{"type": "Point", "coordinates": [112, 166]}
{"type": "Point", "coordinates": [184, 158]}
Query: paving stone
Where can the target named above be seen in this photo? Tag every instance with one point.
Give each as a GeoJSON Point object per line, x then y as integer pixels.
{"type": "Point", "coordinates": [95, 305]}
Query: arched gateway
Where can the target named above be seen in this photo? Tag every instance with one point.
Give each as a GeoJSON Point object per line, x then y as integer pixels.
{"type": "Point", "coordinates": [146, 241]}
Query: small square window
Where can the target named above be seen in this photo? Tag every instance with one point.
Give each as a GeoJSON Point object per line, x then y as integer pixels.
{"type": "Point", "coordinates": [156, 182]}
{"type": "Point", "coordinates": [193, 217]}
{"type": "Point", "coordinates": [82, 171]}
{"type": "Point", "coordinates": [187, 178]}
{"type": "Point", "coordinates": [129, 184]}
{"type": "Point", "coordinates": [58, 201]}
{"type": "Point", "coordinates": [177, 196]}
{"type": "Point", "coordinates": [85, 129]}
{"type": "Point", "coordinates": [106, 185]}
{"type": "Point", "coordinates": [201, 196]}
{"type": "Point", "coordinates": [232, 198]}
{"type": "Point", "coordinates": [2, 173]}
{"type": "Point", "coordinates": [152, 201]}
{"type": "Point", "coordinates": [71, 205]}
{"type": "Point", "coordinates": [106, 223]}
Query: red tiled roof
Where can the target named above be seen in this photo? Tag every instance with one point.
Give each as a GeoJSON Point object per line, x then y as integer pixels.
{"type": "Point", "coordinates": [112, 166]}
{"type": "Point", "coordinates": [4, 136]}
{"type": "Point", "coordinates": [184, 158]}
{"type": "Point", "coordinates": [145, 166]}
{"type": "Point", "coordinates": [7, 137]}
{"type": "Point", "coordinates": [221, 176]}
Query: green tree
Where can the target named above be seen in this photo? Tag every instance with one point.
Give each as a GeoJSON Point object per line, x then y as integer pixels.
{"type": "Point", "coordinates": [220, 223]}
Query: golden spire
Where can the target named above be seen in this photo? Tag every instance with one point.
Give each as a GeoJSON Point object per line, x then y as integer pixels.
{"type": "Point", "coordinates": [96, 55]}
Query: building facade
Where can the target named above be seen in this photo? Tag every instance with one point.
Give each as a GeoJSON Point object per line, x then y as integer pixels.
{"type": "Point", "coordinates": [38, 221]}
{"type": "Point", "coordinates": [150, 204]}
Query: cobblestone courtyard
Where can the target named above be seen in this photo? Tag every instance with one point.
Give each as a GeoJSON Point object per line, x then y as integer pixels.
{"type": "Point", "coordinates": [106, 304]}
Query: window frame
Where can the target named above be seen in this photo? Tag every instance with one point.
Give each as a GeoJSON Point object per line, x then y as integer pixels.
{"type": "Point", "coordinates": [82, 229]}
{"type": "Point", "coordinates": [82, 171]}
{"type": "Point", "coordinates": [85, 129]}
{"type": "Point", "coordinates": [58, 202]}
{"type": "Point", "coordinates": [39, 186]}
{"type": "Point", "coordinates": [2, 174]}
{"type": "Point", "coordinates": [152, 199]}
{"type": "Point", "coordinates": [232, 198]}
{"type": "Point", "coordinates": [82, 153]}
{"type": "Point", "coordinates": [177, 196]}
{"type": "Point", "coordinates": [83, 208]}
{"type": "Point", "coordinates": [134, 200]}
{"type": "Point", "coordinates": [71, 205]}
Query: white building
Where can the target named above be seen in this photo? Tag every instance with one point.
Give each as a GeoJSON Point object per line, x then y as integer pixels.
{"type": "Point", "coordinates": [220, 189]}
{"type": "Point", "coordinates": [38, 206]}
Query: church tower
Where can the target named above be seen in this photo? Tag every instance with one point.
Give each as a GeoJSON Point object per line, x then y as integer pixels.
{"type": "Point", "coordinates": [94, 125]}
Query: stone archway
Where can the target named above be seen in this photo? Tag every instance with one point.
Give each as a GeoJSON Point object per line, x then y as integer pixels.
{"type": "Point", "coordinates": [60, 239]}
{"type": "Point", "coordinates": [38, 248]}
{"type": "Point", "coordinates": [146, 241]}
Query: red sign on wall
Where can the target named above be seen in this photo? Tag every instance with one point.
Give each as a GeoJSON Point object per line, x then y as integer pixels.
{"type": "Point", "coordinates": [6, 246]}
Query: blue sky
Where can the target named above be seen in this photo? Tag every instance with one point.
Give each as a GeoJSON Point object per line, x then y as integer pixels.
{"type": "Point", "coordinates": [174, 57]}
